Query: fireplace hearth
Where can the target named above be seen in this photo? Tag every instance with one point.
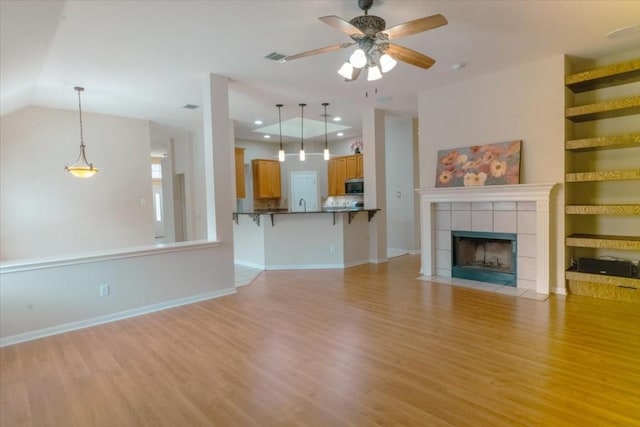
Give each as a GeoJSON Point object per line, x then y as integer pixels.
{"type": "Point", "coordinates": [484, 256]}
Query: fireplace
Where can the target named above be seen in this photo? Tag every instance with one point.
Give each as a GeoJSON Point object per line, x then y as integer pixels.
{"type": "Point", "coordinates": [484, 256]}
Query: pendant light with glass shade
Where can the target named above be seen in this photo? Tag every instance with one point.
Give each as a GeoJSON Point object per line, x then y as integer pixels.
{"type": "Point", "coordinates": [326, 148]}
{"type": "Point", "coordinates": [281, 151]}
{"type": "Point", "coordinates": [81, 168]}
{"type": "Point", "coordinates": [302, 155]}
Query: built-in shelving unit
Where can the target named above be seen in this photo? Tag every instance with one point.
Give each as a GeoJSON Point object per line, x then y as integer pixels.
{"type": "Point", "coordinates": [604, 142]}
{"type": "Point", "coordinates": [616, 175]}
{"type": "Point", "coordinates": [624, 243]}
{"type": "Point", "coordinates": [604, 110]}
{"type": "Point", "coordinates": [602, 199]}
{"type": "Point", "coordinates": [616, 74]}
{"type": "Point", "coordinates": [627, 210]}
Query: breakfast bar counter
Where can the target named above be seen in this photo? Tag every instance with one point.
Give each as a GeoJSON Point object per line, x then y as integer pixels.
{"type": "Point", "coordinates": [284, 240]}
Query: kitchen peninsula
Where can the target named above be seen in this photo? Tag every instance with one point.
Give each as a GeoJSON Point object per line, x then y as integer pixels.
{"type": "Point", "coordinates": [283, 240]}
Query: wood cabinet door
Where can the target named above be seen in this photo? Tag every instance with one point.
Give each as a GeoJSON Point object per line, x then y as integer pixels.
{"type": "Point", "coordinates": [332, 179]}
{"type": "Point", "coordinates": [274, 181]}
{"type": "Point", "coordinates": [240, 189]}
{"type": "Point", "coordinates": [359, 166]}
{"type": "Point", "coordinates": [341, 174]}
{"type": "Point", "coordinates": [352, 166]}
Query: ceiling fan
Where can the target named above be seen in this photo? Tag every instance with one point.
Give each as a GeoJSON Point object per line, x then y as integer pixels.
{"type": "Point", "coordinates": [375, 52]}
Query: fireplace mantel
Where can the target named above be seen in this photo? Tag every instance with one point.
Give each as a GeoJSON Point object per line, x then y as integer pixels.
{"type": "Point", "coordinates": [538, 193]}
{"type": "Point", "coordinates": [489, 193]}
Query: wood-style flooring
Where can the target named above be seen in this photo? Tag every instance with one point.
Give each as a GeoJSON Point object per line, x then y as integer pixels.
{"type": "Point", "coordinates": [370, 345]}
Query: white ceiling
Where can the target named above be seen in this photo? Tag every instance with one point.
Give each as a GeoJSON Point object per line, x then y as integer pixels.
{"type": "Point", "coordinates": [146, 59]}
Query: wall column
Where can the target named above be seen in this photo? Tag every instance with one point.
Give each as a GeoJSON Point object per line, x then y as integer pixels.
{"type": "Point", "coordinates": [218, 158]}
{"type": "Point", "coordinates": [375, 181]}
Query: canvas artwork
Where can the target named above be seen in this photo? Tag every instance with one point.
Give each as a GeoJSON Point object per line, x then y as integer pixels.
{"type": "Point", "coordinates": [478, 165]}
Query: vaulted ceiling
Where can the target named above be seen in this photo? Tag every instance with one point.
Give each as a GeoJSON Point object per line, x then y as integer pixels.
{"type": "Point", "coordinates": [147, 59]}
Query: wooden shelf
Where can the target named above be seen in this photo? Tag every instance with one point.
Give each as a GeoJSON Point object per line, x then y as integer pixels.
{"type": "Point", "coordinates": [604, 142]}
{"type": "Point", "coordinates": [611, 75]}
{"type": "Point", "coordinates": [604, 110]}
{"type": "Point", "coordinates": [603, 279]}
{"type": "Point", "coordinates": [615, 175]}
{"type": "Point", "coordinates": [628, 210]}
{"type": "Point", "coordinates": [627, 243]}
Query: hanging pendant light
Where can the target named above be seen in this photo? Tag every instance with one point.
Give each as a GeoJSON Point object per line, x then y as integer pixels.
{"type": "Point", "coordinates": [326, 148]}
{"type": "Point", "coordinates": [281, 151]}
{"type": "Point", "coordinates": [81, 168]}
{"type": "Point", "coordinates": [302, 155]}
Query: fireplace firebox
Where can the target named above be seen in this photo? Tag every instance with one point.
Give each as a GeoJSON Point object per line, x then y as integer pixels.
{"type": "Point", "coordinates": [484, 256]}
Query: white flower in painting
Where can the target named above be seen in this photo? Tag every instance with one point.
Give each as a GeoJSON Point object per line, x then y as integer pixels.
{"type": "Point", "coordinates": [474, 179]}
{"type": "Point", "coordinates": [498, 168]}
{"type": "Point", "coordinates": [462, 159]}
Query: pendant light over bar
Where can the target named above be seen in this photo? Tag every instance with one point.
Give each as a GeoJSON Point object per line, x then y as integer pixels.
{"type": "Point", "coordinates": [302, 155]}
{"type": "Point", "coordinates": [81, 168]}
{"type": "Point", "coordinates": [326, 148]}
{"type": "Point", "coordinates": [281, 151]}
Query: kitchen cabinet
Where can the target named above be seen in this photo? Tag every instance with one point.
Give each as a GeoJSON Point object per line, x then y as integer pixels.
{"type": "Point", "coordinates": [266, 179]}
{"type": "Point", "coordinates": [342, 168]}
{"type": "Point", "coordinates": [240, 189]}
{"type": "Point", "coordinates": [602, 205]}
{"type": "Point", "coordinates": [352, 165]}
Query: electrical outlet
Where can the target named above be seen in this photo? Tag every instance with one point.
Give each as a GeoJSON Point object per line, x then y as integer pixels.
{"type": "Point", "coordinates": [104, 290]}
{"type": "Point", "coordinates": [332, 249]}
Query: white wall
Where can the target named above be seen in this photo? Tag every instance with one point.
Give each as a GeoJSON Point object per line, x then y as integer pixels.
{"type": "Point", "coordinates": [178, 146]}
{"type": "Point", "coordinates": [45, 211]}
{"type": "Point", "coordinates": [525, 102]}
{"type": "Point", "coordinates": [400, 186]}
{"type": "Point", "coordinates": [41, 302]}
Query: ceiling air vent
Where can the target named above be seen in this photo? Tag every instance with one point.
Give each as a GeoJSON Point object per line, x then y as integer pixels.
{"type": "Point", "coordinates": [275, 56]}
{"type": "Point", "coordinates": [190, 106]}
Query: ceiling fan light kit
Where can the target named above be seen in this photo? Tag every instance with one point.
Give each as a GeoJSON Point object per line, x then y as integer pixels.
{"type": "Point", "coordinates": [375, 52]}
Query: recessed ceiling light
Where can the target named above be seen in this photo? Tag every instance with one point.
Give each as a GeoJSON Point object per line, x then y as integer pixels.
{"type": "Point", "coordinates": [340, 134]}
{"type": "Point", "coordinates": [459, 65]}
{"type": "Point", "coordinates": [267, 136]}
{"type": "Point", "coordinates": [337, 118]}
{"type": "Point", "coordinates": [624, 32]}
{"type": "Point", "coordinates": [257, 122]}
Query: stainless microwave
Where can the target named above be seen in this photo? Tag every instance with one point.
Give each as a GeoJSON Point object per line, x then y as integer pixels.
{"type": "Point", "coordinates": [354, 186]}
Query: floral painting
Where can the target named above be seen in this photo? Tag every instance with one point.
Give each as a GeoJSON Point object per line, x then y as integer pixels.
{"type": "Point", "coordinates": [490, 164]}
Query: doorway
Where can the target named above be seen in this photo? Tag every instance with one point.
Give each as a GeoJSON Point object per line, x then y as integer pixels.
{"type": "Point", "coordinates": [304, 191]}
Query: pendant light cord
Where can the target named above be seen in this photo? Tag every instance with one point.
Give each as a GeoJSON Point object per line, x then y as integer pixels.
{"type": "Point", "coordinates": [280, 122]}
{"type": "Point", "coordinates": [324, 104]}
{"type": "Point", "coordinates": [79, 89]}
{"type": "Point", "coordinates": [302, 126]}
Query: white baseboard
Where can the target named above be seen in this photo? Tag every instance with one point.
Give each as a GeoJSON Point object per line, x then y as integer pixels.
{"type": "Point", "coordinates": [559, 290]}
{"type": "Point", "coordinates": [306, 267]}
{"type": "Point", "coordinates": [378, 261]}
{"type": "Point", "coordinates": [249, 264]}
{"type": "Point", "coordinates": [68, 327]}
{"type": "Point", "coordinates": [415, 252]}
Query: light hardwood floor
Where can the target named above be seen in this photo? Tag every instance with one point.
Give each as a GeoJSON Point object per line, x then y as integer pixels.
{"type": "Point", "coordinates": [370, 345]}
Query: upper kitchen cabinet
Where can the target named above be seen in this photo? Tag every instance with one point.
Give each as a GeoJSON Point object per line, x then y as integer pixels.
{"type": "Point", "coordinates": [342, 168]}
{"type": "Point", "coordinates": [240, 189]}
{"type": "Point", "coordinates": [266, 179]}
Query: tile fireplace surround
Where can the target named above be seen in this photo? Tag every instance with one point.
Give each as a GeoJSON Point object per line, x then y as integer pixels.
{"type": "Point", "coordinates": [521, 209]}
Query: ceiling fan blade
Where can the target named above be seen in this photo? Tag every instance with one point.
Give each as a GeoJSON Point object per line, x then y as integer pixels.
{"type": "Point", "coordinates": [341, 25]}
{"type": "Point", "coordinates": [356, 74]}
{"type": "Point", "coordinates": [415, 26]}
{"type": "Point", "coordinates": [410, 56]}
{"type": "Point", "coordinates": [317, 51]}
